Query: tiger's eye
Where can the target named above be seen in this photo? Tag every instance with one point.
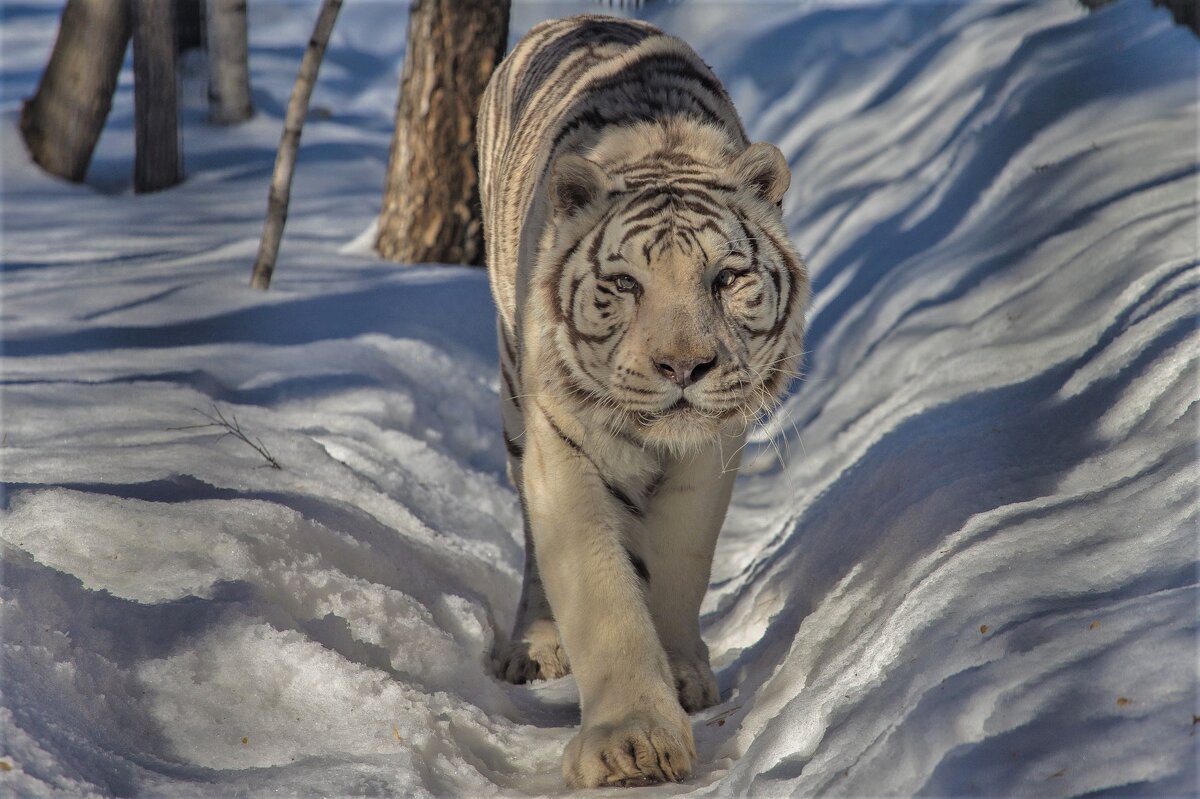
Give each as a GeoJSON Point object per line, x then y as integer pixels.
{"type": "Point", "coordinates": [725, 278]}
{"type": "Point", "coordinates": [625, 283]}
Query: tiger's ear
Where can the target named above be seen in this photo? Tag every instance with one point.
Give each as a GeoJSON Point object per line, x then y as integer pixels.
{"type": "Point", "coordinates": [764, 169]}
{"type": "Point", "coordinates": [575, 182]}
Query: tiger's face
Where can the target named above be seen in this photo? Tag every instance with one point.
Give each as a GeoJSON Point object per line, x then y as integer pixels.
{"type": "Point", "coordinates": [678, 299]}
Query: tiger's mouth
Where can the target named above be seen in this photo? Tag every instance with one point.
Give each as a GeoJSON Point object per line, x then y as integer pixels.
{"type": "Point", "coordinates": [683, 426]}
{"type": "Point", "coordinates": [684, 409]}
{"type": "Point", "coordinates": [680, 407]}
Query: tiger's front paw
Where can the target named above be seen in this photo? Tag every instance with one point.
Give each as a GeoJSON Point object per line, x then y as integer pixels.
{"type": "Point", "coordinates": [695, 682]}
{"type": "Point", "coordinates": [536, 655]}
{"type": "Point", "coordinates": [639, 750]}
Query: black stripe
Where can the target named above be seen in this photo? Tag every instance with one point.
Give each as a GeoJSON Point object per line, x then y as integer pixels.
{"type": "Point", "coordinates": [593, 256]}
{"type": "Point", "coordinates": [752, 240]}
{"type": "Point", "coordinates": [699, 203]}
{"type": "Point", "coordinates": [639, 565]}
{"type": "Point", "coordinates": [513, 448]}
{"type": "Point", "coordinates": [652, 210]}
{"type": "Point", "coordinates": [795, 276]}
{"type": "Point", "coordinates": [577, 389]}
{"type": "Point", "coordinates": [508, 384]}
{"type": "Point", "coordinates": [614, 491]}
{"type": "Point", "coordinates": [588, 34]}
{"type": "Point", "coordinates": [634, 230]}
{"type": "Point", "coordinates": [690, 234]}
{"type": "Point", "coordinates": [615, 346]}
{"type": "Point", "coordinates": [655, 484]}
{"type": "Point", "coordinates": [588, 338]}
{"type": "Point", "coordinates": [709, 224]}
{"type": "Point", "coordinates": [774, 273]}
{"type": "Point", "coordinates": [593, 252]}
{"type": "Point", "coordinates": [653, 72]}
{"type": "Point", "coordinates": [658, 237]}
{"type": "Point", "coordinates": [783, 308]}
{"type": "Point", "coordinates": [570, 442]}
{"type": "Point", "coordinates": [623, 498]}
{"type": "Point", "coordinates": [679, 179]}
{"type": "Point", "coordinates": [554, 279]}
{"type": "Point", "coordinates": [508, 347]}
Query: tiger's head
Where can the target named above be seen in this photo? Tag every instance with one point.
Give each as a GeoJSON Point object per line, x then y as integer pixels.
{"type": "Point", "coordinates": [676, 300]}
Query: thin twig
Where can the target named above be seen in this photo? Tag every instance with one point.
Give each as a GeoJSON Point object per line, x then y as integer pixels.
{"type": "Point", "coordinates": [231, 428]}
{"type": "Point", "coordinates": [719, 719]}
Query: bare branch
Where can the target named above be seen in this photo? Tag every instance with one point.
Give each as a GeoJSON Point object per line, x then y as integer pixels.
{"type": "Point", "coordinates": [231, 428]}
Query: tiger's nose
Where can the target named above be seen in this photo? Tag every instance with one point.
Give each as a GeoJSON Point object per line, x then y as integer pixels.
{"type": "Point", "coordinates": [683, 372]}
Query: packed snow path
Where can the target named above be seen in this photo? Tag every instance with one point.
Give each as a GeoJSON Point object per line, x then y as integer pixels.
{"type": "Point", "coordinates": [961, 561]}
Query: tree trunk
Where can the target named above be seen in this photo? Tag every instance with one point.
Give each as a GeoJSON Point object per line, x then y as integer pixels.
{"type": "Point", "coordinates": [228, 62]}
{"type": "Point", "coordinates": [62, 122]}
{"type": "Point", "coordinates": [156, 162]}
{"type": "Point", "coordinates": [285, 160]}
{"type": "Point", "coordinates": [431, 201]}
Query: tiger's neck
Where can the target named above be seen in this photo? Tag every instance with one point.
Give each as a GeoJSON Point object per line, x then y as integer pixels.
{"type": "Point", "coordinates": [605, 434]}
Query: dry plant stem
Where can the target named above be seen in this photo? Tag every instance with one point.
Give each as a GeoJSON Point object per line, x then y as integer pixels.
{"type": "Point", "coordinates": [289, 143]}
{"type": "Point", "coordinates": [232, 428]}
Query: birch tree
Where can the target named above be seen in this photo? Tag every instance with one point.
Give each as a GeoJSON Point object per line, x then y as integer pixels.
{"type": "Point", "coordinates": [285, 160]}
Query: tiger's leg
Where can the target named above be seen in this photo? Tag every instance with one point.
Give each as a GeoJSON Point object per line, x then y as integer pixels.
{"type": "Point", "coordinates": [534, 651]}
{"type": "Point", "coordinates": [683, 520]}
{"type": "Point", "coordinates": [633, 731]}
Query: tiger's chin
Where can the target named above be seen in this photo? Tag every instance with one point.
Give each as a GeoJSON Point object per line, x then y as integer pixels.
{"type": "Point", "coordinates": [684, 428]}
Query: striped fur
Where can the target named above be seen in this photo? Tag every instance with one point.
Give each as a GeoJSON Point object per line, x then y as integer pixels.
{"type": "Point", "coordinates": [650, 307]}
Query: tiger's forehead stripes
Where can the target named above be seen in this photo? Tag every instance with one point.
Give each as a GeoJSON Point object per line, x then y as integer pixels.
{"type": "Point", "coordinates": [667, 213]}
{"type": "Point", "coordinates": [666, 157]}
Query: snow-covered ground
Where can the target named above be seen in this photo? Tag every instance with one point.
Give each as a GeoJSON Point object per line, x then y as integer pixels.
{"type": "Point", "coordinates": [963, 560]}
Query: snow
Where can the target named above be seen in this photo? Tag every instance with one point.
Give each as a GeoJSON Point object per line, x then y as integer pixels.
{"type": "Point", "coordinates": [962, 559]}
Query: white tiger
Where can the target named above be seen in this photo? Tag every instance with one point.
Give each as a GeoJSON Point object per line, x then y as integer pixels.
{"type": "Point", "coordinates": [650, 307]}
